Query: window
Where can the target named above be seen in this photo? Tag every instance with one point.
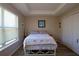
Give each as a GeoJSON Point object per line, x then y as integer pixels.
{"type": "Point", "coordinates": [8, 27]}
{"type": "Point", "coordinates": [0, 28]}
{"type": "Point", "coordinates": [0, 17]}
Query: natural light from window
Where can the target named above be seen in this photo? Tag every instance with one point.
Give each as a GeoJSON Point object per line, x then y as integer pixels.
{"type": "Point", "coordinates": [8, 27]}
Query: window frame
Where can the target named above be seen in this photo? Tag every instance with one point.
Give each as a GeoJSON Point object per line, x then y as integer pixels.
{"type": "Point", "coordinates": [7, 43]}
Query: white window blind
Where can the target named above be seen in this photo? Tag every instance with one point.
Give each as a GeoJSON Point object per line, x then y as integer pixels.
{"type": "Point", "coordinates": [1, 34]}
{"type": "Point", "coordinates": [0, 17]}
{"type": "Point", "coordinates": [8, 27]}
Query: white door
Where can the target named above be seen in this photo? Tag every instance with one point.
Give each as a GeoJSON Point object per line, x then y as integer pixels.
{"type": "Point", "coordinates": [76, 33]}
{"type": "Point", "coordinates": [64, 28]}
{"type": "Point", "coordinates": [67, 31]}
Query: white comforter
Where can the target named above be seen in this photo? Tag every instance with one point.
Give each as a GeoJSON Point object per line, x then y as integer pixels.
{"type": "Point", "coordinates": [40, 41]}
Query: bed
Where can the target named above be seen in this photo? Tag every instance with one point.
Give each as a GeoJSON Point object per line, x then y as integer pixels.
{"type": "Point", "coordinates": [39, 41]}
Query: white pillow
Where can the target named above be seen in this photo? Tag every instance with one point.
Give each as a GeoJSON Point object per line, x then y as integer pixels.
{"type": "Point", "coordinates": [42, 32]}
{"type": "Point", "coordinates": [34, 32]}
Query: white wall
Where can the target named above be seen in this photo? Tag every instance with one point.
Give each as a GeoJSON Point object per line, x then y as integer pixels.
{"type": "Point", "coordinates": [70, 30]}
{"type": "Point", "coordinates": [11, 49]}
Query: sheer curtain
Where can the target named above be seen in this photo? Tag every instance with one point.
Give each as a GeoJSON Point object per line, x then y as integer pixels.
{"type": "Point", "coordinates": [8, 27]}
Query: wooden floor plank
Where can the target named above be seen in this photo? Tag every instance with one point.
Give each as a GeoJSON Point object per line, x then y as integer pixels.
{"type": "Point", "coordinates": [62, 50]}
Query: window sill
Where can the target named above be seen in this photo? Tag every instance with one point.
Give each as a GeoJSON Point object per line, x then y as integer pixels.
{"type": "Point", "coordinates": [6, 46]}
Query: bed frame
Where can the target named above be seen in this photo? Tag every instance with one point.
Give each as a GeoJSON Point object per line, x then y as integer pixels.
{"type": "Point", "coordinates": [39, 52]}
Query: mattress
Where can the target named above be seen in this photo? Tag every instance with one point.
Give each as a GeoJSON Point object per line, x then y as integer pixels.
{"type": "Point", "coordinates": [40, 41]}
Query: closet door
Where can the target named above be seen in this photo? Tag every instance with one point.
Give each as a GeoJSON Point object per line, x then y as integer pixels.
{"type": "Point", "coordinates": [64, 31]}
{"type": "Point", "coordinates": [67, 26]}
{"type": "Point", "coordinates": [70, 31]}
{"type": "Point", "coordinates": [76, 33]}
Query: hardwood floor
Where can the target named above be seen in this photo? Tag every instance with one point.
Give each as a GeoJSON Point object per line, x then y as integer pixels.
{"type": "Point", "coordinates": [62, 50]}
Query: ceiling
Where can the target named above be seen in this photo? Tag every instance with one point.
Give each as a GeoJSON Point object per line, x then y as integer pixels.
{"type": "Point", "coordinates": [39, 6]}
{"type": "Point", "coordinates": [44, 8]}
